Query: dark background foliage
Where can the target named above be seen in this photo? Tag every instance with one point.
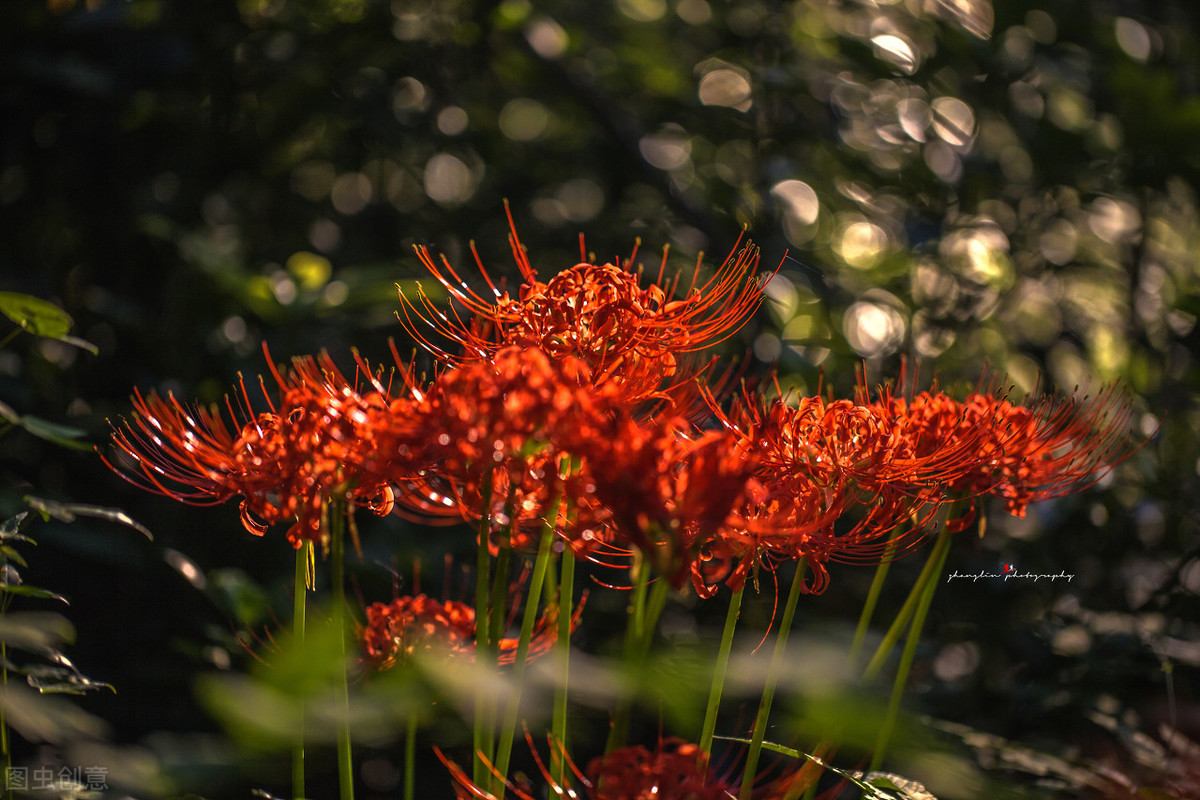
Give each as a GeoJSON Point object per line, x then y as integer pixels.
{"type": "Point", "coordinates": [1008, 188]}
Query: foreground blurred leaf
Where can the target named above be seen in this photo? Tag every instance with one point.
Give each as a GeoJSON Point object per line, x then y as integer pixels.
{"type": "Point", "coordinates": [36, 630]}
{"type": "Point", "coordinates": [47, 719]}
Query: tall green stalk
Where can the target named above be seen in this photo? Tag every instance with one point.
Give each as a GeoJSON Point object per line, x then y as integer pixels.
{"type": "Point", "coordinates": [929, 573]}
{"type": "Point", "coordinates": [910, 648]}
{"type": "Point", "coordinates": [4, 719]}
{"type": "Point", "coordinates": [303, 554]}
{"type": "Point", "coordinates": [512, 710]}
{"type": "Point", "coordinates": [337, 549]}
{"type": "Point", "coordinates": [410, 756]}
{"type": "Point", "coordinates": [720, 669]}
{"type": "Point", "coordinates": [644, 610]}
{"type": "Point", "coordinates": [768, 695]}
{"type": "Point", "coordinates": [868, 609]}
{"type": "Point", "coordinates": [483, 561]}
{"type": "Point", "coordinates": [558, 727]}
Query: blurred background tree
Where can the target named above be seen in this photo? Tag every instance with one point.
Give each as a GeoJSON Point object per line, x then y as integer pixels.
{"type": "Point", "coordinates": [1008, 187]}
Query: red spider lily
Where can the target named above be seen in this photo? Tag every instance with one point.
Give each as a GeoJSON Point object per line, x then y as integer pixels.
{"type": "Point", "coordinates": [830, 486]}
{"type": "Point", "coordinates": [1023, 454]}
{"type": "Point", "coordinates": [674, 770]}
{"type": "Point", "coordinates": [419, 625]}
{"type": "Point", "coordinates": [500, 429]}
{"type": "Point", "coordinates": [662, 488]}
{"type": "Point", "coordinates": [628, 334]}
{"type": "Point", "coordinates": [321, 440]}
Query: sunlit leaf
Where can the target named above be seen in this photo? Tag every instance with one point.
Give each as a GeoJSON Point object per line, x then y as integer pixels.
{"type": "Point", "coordinates": [35, 315]}
{"type": "Point", "coordinates": [33, 591]}
{"type": "Point", "coordinates": [41, 318]}
{"type": "Point", "coordinates": [60, 680]}
{"type": "Point", "coordinates": [68, 512]}
{"type": "Point", "coordinates": [10, 527]}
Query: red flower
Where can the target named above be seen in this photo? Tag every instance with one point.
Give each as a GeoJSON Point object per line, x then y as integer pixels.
{"type": "Point", "coordinates": [674, 770]}
{"type": "Point", "coordinates": [1025, 454]}
{"type": "Point", "coordinates": [321, 440]}
{"type": "Point", "coordinates": [628, 334]}
{"type": "Point", "coordinates": [396, 631]}
{"type": "Point", "coordinates": [663, 487]}
{"type": "Point", "coordinates": [503, 427]}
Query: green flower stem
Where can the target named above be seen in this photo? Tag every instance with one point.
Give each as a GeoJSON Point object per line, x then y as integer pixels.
{"type": "Point", "coordinates": [337, 553]}
{"type": "Point", "coordinates": [928, 573]}
{"type": "Point", "coordinates": [480, 772]}
{"type": "Point", "coordinates": [719, 672]}
{"type": "Point", "coordinates": [910, 648]}
{"type": "Point", "coordinates": [4, 720]}
{"type": "Point", "coordinates": [768, 695]}
{"type": "Point", "coordinates": [512, 711]}
{"type": "Point", "coordinates": [639, 634]}
{"type": "Point", "coordinates": [303, 553]}
{"type": "Point", "coordinates": [410, 756]}
{"type": "Point", "coordinates": [566, 592]}
{"type": "Point", "coordinates": [868, 609]}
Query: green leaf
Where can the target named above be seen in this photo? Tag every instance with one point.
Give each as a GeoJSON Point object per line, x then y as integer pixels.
{"type": "Point", "coordinates": [69, 512]}
{"type": "Point", "coordinates": [32, 591]}
{"type": "Point", "coordinates": [35, 315]}
{"type": "Point", "coordinates": [40, 631]}
{"type": "Point", "coordinates": [50, 431]}
{"type": "Point", "coordinates": [42, 318]}
{"type": "Point", "coordinates": [11, 554]}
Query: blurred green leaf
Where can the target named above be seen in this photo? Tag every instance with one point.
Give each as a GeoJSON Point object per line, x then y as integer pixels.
{"type": "Point", "coordinates": [47, 719]}
{"type": "Point", "coordinates": [52, 432]}
{"type": "Point", "coordinates": [36, 630]}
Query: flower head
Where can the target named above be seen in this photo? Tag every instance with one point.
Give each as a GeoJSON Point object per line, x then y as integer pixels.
{"type": "Point", "coordinates": [320, 440]}
{"type": "Point", "coordinates": [502, 431]}
{"type": "Point", "coordinates": [628, 334]}
{"type": "Point", "coordinates": [673, 770]}
{"type": "Point", "coordinates": [395, 632]}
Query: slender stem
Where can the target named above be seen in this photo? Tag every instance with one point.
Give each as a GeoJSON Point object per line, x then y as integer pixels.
{"type": "Point", "coordinates": [300, 591]}
{"type": "Point", "coordinates": [496, 624]}
{"type": "Point", "coordinates": [905, 613]}
{"type": "Point", "coordinates": [643, 621]}
{"type": "Point", "coordinates": [513, 709]}
{"type": "Point", "coordinates": [410, 756]}
{"type": "Point", "coordinates": [719, 672]}
{"type": "Point", "coordinates": [768, 695]}
{"type": "Point", "coordinates": [337, 554]}
{"type": "Point", "coordinates": [4, 723]}
{"type": "Point", "coordinates": [868, 609]}
{"type": "Point", "coordinates": [566, 593]}
{"type": "Point", "coordinates": [482, 564]}
{"type": "Point", "coordinates": [8, 338]}
{"type": "Point", "coordinates": [910, 649]}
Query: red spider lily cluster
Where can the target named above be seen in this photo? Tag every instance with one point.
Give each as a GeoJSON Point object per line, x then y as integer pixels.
{"type": "Point", "coordinates": [575, 405]}
{"type": "Point", "coordinates": [673, 769]}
